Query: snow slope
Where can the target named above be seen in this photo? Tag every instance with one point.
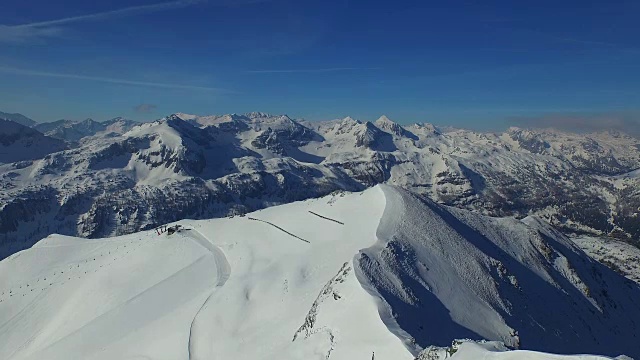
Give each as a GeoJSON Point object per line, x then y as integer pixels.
{"type": "Point", "coordinates": [473, 350]}
{"type": "Point", "coordinates": [620, 256]}
{"type": "Point", "coordinates": [379, 274]}
{"type": "Point", "coordinates": [103, 299]}
{"type": "Point", "coordinates": [482, 278]}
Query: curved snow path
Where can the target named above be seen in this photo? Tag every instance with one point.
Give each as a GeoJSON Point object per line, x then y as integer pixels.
{"type": "Point", "coordinates": [204, 274]}
{"type": "Point", "coordinates": [222, 265]}
{"type": "Point", "coordinates": [199, 331]}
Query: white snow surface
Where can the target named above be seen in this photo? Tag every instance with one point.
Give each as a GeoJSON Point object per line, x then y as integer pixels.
{"type": "Point", "coordinates": [473, 350]}
{"type": "Point", "coordinates": [379, 274]}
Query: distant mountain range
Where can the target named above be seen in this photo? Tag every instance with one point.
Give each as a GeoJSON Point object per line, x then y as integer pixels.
{"type": "Point", "coordinates": [23, 139]}
{"type": "Point", "coordinates": [19, 142]}
{"type": "Point", "coordinates": [119, 176]}
{"type": "Point", "coordinates": [77, 130]}
{"type": "Point", "coordinates": [19, 118]}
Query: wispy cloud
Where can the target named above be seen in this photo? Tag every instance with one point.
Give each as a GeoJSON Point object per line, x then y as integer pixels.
{"type": "Point", "coordinates": [44, 29]}
{"type": "Point", "coordinates": [625, 121]}
{"type": "Point", "coordinates": [324, 70]}
{"type": "Point", "coordinates": [28, 72]}
{"type": "Point", "coordinates": [129, 11]}
{"type": "Point", "coordinates": [604, 44]}
{"type": "Point", "coordinates": [145, 108]}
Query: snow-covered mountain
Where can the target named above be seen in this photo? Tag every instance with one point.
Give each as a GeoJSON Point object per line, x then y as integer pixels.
{"type": "Point", "coordinates": [74, 131]}
{"type": "Point", "coordinates": [617, 255]}
{"type": "Point", "coordinates": [381, 274]}
{"type": "Point", "coordinates": [188, 166]}
{"type": "Point", "coordinates": [19, 143]}
{"type": "Point", "coordinates": [19, 118]}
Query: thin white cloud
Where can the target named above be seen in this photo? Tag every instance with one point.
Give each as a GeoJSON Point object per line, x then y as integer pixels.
{"type": "Point", "coordinates": [14, 34]}
{"type": "Point", "coordinates": [611, 45]}
{"type": "Point", "coordinates": [27, 72]}
{"type": "Point", "coordinates": [43, 29]}
{"type": "Point", "coordinates": [129, 11]}
{"type": "Point", "coordinates": [277, 71]}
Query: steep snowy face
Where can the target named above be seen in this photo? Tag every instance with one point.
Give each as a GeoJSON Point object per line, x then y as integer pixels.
{"type": "Point", "coordinates": [278, 134]}
{"type": "Point", "coordinates": [19, 143]}
{"type": "Point", "coordinates": [385, 124]}
{"type": "Point", "coordinates": [444, 273]}
{"type": "Point", "coordinates": [171, 148]}
{"type": "Point", "coordinates": [217, 165]}
{"type": "Point", "coordinates": [380, 274]}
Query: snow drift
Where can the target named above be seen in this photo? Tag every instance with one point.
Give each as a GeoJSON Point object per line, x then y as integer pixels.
{"type": "Point", "coordinates": [296, 282]}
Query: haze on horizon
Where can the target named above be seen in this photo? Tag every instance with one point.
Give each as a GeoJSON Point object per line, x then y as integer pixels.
{"type": "Point", "coordinates": [481, 65]}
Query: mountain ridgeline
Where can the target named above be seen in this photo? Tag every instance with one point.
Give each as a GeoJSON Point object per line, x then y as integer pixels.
{"type": "Point", "coordinates": [122, 177]}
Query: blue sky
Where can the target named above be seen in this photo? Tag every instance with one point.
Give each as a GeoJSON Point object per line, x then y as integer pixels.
{"type": "Point", "coordinates": [477, 64]}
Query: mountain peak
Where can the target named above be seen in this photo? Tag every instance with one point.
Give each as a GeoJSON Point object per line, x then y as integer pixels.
{"type": "Point", "coordinates": [349, 119]}
{"type": "Point", "coordinates": [386, 125]}
{"type": "Point", "coordinates": [384, 120]}
{"type": "Point", "coordinates": [183, 116]}
{"type": "Point", "coordinates": [117, 118]}
{"type": "Point", "coordinates": [258, 114]}
{"type": "Point", "coordinates": [19, 118]}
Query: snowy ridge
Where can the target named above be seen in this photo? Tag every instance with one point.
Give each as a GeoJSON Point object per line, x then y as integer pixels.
{"type": "Point", "coordinates": [486, 276]}
{"type": "Point", "coordinates": [189, 166]}
{"type": "Point", "coordinates": [234, 288]}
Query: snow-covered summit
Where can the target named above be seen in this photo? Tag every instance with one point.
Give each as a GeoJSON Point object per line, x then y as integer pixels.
{"type": "Point", "coordinates": [184, 116]}
{"type": "Point", "coordinates": [385, 124]}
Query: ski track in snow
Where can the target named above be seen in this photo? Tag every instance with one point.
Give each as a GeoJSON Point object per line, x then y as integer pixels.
{"type": "Point", "coordinates": [223, 270]}
{"type": "Point", "coordinates": [326, 218]}
{"type": "Point", "coordinates": [281, 229]}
